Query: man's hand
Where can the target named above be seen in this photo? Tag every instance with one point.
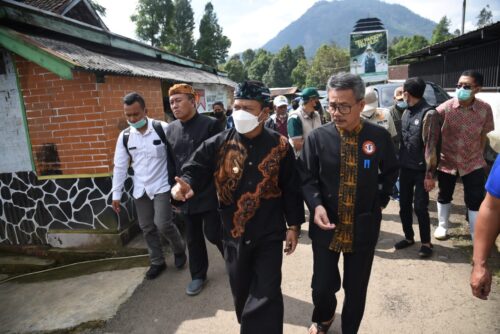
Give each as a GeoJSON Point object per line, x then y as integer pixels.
{"type": "Point", "coordinates": [116, 205]}
{"type": "Point", "coordinates": [292, 238]}
{"type": "Point", "coordinates": [480, 281]}
{"type": "Point", "coordinates": [429, 184]}
{"type": "Point", "coordinates": [182, 190]}
{"type": "Point", "coordinates": [321, 218]}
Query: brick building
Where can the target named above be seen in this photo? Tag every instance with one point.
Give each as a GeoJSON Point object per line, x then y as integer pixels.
{"type": "Point", "coordinates": [62, 78]}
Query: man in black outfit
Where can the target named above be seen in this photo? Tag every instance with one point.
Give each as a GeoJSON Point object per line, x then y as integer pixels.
{"type": "Point", "coordinates": [257, 185]}
{"type": "Point", "coordinates": [184, 135]}
{"type": "Point", "coordinates": [418, 160]}
{"type": "Point", "coordinates": [349, 168]}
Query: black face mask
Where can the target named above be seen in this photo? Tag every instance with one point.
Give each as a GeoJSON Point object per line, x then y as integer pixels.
{"type": "Point", "coordinates": [218, 114]}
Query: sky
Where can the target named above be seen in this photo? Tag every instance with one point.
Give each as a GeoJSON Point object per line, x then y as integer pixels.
{"type": "Point", "coordinates": [251, 23]}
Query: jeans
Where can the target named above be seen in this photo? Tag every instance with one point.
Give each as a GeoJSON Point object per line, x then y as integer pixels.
{"type": "Point", "coordinates": [155, 218]}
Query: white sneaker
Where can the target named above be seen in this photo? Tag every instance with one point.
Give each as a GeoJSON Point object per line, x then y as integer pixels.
{"type": "Point", "coordinates": [440, 233]}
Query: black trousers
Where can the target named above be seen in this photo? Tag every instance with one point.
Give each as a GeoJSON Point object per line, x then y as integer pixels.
{"type": "Point", "coordinates": [326, 282]}
{"type": "Point", "coordinates": [473, 188]}
{"type": "Point", "coordinates": [209, 222]}
{"type": "Point", "coordinates": [255, 277]}
{"type": "Point", "coordinates": [411, 189]}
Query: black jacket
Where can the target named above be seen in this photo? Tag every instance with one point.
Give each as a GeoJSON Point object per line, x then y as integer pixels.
{"type": "Point", "coordinates": [320, 169]}
{"type": "Point", "coordinates": [184, 139]}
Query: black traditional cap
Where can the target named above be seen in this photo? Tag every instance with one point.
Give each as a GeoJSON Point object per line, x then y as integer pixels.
{"type": "Point", "coordinates": [252, 90]}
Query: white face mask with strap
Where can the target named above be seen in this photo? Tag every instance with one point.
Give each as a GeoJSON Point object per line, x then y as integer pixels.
{"type": "Point", "coordinates": [244, 122]}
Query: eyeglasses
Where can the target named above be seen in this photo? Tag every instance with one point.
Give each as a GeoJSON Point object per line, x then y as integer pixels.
{"type": "Point", "coordinates": [464, 86]}
{"type": "Point", "coordinates": [344, 109]}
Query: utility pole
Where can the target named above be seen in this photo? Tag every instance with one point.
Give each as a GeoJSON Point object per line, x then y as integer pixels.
{"type": "Point", "coordinates": [463, 17]}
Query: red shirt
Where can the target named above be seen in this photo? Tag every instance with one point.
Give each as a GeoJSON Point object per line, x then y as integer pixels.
{"type": "Point", "coordinates": [463, 132]}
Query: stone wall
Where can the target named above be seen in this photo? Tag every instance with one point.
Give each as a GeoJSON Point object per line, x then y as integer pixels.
{"type": "Point", "coordinates": [30, 207]}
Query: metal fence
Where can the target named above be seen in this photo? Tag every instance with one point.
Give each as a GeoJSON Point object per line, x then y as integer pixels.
{"type": "Point", "coordinates": [446, 68]}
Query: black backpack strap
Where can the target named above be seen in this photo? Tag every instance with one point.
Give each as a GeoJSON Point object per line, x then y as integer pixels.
{"type": "Point", "coordinates": [126, 135]}
{"type": "Point", "coordinates": [159, 131]}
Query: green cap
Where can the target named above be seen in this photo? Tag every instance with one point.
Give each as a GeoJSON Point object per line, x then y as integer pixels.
{"type": "Point", "coordinates": [308, 93]}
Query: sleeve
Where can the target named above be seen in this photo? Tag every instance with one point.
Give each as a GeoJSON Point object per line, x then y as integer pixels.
{"type": "Point", "coordinates": [121, 163]}
{"type": "Point", "coordinates": [488, 126]}
{"type": "Point", "coordinates": [430, 136]}
{"type": "Point", "coordinates": [389, 170]}
{"type": "Point", "coordinates": [493, 182]}
{"type": "Point", "coordinates": [198, 170]}
{"type": "Point", "coordinates": [308, 167]}
{"type": "Point", "coordinates": [294, 126]}
{"type": "Point", "coordinates": [390, 120]}
{"type": "Point", "coordinates": [290, 186]}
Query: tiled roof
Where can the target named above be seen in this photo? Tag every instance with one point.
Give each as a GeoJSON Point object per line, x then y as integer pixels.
{"type": "Point", "coordinates": [55, 6]}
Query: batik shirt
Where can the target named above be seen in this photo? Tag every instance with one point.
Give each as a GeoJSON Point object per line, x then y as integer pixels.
{"type": "Point", "coordinates": [256, 180]}
{"type": "Point", "coordinates": [463, 135]}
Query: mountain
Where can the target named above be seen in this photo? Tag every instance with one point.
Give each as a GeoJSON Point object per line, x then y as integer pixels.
{"type": "Point", "coordinates": [329, 22]}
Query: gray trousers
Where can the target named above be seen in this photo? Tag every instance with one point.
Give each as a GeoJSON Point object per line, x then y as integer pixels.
{"type": "Point", "coordinates": [155, 218]}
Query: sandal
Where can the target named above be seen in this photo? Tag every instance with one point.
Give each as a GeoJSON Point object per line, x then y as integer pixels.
{"type": "Point", "coordinates": [320, 328]}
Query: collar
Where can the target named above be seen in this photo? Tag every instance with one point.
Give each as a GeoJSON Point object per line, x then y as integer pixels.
{"type": "Point", "coordinates": [251, 141]}
{"type": "Point", "coordinates": [191, 120]}
{"type": "Point", "coordinates": [305, 114]}
{"type": "Point", "coordinates": [355, 132]}
{"type": "Point", "coordinates": [456, 104]}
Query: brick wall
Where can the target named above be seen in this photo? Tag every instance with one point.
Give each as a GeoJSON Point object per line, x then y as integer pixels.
{"type": "Point", "coordinates": [78, 118]}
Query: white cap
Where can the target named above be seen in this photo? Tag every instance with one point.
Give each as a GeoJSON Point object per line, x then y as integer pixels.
{"type": "Point", "coordinates": [280, 100]}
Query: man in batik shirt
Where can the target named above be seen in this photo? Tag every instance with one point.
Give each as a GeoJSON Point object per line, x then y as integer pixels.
{"type": "Point", "coordinates": [465, 122]}
{"type": "Point", "coordinates": [349, 168]}
{"type": "Point", "coordinates": [257, 185]}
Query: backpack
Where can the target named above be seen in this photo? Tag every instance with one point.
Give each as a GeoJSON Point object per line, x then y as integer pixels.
{"type": "Point", "coordinates": [159, 131]}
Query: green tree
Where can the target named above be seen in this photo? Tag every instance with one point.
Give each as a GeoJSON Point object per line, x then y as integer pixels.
{"type": "Point", "coordinates": [441, 32]}
{"type": "Point", "coordinates": [260, 65]}
{"type": "Point", "coordinates": [248, 57]}
{"type": "Point", "coordinates": [154, 21]}
{"type": "Point", "coordinates": [299, 73]}
{"type": "Point", "coordinates": [183, 23]}
{"type": "Point", "coordinates": [212, 46]}
{"type": "Point", "coordinates": [235, 69]}
{"type": "Point", "coordinates": [299, 53]}
{"type": "Point", "coordinates": [485, 17]}
{"type": "Point", "coordinates": [328, 60]}
{"type": "Point", "coordinates": [101, 10]}
{"type": "Point", "coordinates": [405, 45]}
{"type": "Point", "coordinates": [276, 75]}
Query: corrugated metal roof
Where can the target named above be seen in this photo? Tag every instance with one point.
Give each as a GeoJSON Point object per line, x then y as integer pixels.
{"type": "Point", "coordinates": [283, 91]}
{"type": "Point", "coordinates": [99, 62]}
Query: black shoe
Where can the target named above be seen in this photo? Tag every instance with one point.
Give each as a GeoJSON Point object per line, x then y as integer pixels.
{"type": "Point", "coordinates": [180, 260]}
{"type": "Point", "coordinates": [403, 244]}
{"type": "Point", "coordinates": [425, 251]}
{"type": "Point", "coordinates": [155, 270]}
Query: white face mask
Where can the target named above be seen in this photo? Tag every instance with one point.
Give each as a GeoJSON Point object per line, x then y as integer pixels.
{"type": "Point", "coordinates": [494, 137]}
{"type": "Point", "coordinates": [244, 122]}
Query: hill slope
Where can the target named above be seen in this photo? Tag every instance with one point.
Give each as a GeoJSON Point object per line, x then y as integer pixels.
{"type": "Point", "coordinates": [332, 22]}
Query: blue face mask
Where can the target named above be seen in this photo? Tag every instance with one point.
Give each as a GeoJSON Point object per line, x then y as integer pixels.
{"type": "Point", "coordinates": [463, 94]}
{"type": "Point", "coordinates": [402, 105]}
{"type": "Point", "coordinates": [138, 124]}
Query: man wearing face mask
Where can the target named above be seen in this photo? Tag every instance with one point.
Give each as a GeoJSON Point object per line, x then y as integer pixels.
{"type": "Point", "coordinates": [278, 120]}
{"type": "Point", "coordinates": [147, 155]}
{"type": "Point", "coordinates": [258, 189]}
{"type": "Point", "coordinates": [397, 109]}
{"type": "Point", "coordinates": [418, 162]}
{"type": "Point", "coordinates": [202, 219]}
{"type": "Point", "coordinates": [303, 120]}
{"type": "Point", "coordinates": [220, 114]}
{"type": "Point", "coordinates": [465, 122]}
